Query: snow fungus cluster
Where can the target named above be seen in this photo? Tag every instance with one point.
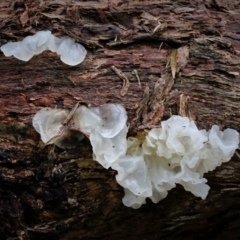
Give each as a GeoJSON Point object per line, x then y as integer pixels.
{"type": "Point", "coordinates": [149, 165]}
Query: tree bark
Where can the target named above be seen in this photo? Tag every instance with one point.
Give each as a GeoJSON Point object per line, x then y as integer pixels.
{"type": "Point", "coordinates": [48, 193]}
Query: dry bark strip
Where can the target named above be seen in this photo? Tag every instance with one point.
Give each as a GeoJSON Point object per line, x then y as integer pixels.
{"type": "Point", "coordinates": [48, 193]}
{"type": "Point", "coordinates": [126, 83]}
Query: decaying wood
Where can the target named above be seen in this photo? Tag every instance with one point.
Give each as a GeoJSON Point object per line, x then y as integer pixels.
{"type": "Point", "coordinates": [48, 193]}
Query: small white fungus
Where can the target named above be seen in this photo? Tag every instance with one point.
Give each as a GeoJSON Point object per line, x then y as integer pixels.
{"type": "Point", "coordinates": [107, 130]}
{"type": "Point", "coordinates": [107, 120]}
{"type": "Point", "coordinates": [71, 53]}
{"type": "Point", "coordinates": [48, 123]}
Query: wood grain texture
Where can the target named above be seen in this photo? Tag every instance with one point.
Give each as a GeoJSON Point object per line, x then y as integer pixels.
{"type": "Point", "coordinates": [48, 193]}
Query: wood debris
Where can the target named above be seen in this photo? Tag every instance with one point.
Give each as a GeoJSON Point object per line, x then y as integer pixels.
{"type": "Point", "coordinates": [178, 59]}
{"type": "Point", "coordinates": [126, 83]}
{"type": "Point", "coordinates": [69, 116]}
{"type": "Point", "coordinates": [72, 81]}
{"type": "Point", "coordinates": [24, 17]}
{"type": "Point", "coordinates": [173, 63]}
{"type": "Point", "coordinates": [135, 72]}
{"type": "Point", "coordinates": [182, 57]}
{"type": "Point", "coordinates": [184, 110]}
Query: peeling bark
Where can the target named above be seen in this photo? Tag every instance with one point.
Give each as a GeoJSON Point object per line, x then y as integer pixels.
{"type": "Point", "coordinates": [48, 193]}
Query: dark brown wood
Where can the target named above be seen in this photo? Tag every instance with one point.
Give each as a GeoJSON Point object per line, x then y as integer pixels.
{"type": "Point", "coordinates": [48, 193]}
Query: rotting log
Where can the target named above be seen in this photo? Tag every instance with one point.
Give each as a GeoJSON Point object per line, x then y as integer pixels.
{"type": "Point", "coordinates": [48, 193]}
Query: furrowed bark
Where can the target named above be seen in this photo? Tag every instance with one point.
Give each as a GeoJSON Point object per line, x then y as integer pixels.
{"type": "Point", "coordinates": [179, 58]}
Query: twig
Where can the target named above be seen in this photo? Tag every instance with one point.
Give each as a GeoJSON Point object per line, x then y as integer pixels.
{"type": "Point", "coordinates": [124, 78]}
{"type": "Point", "coordinates": [238, 155]}
{"type": "Point", "coordinates": [173, 62]}
{"type": "Point", "coordinates": [69, 116]}
{"type": "Point", "coordinates": [159, 49]}
{"type": "Point", "coordinates": [135, 72]}
{"type": "Point", "coordinates": [72, 81]}
{"type": "Point", "coordinates": [63, 125]}
{"type": "Point", "coordinates": [23, 82]}
{"type": "Point", "coordinates": [157, 27]}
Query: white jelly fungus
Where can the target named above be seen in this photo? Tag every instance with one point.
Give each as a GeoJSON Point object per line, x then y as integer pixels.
{"type": "Point", "coordinates": [105, 126]}
{"type": "Point", "coordinates": [175, 153]}
{"type": "Point", "coordinates": [149, 165]}
{"type": "Point", "coordinates": [71, 53]}
{"type": "Point", "coordinates": [107, 130]}
{"type": "Point", "coordinates": [48, 122]}
{"type": "Point", "coordinates": [107, 120]}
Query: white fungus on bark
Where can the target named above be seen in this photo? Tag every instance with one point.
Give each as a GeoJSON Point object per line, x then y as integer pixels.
{"type": "Point", "coordinates": [107, 130]}
{"type": "Point", "coordinates": [149, 166]}
{"type": "Point", "coordinates": [71, 53]}
{"type": "Point", "coordinates": [176, 153]}
{"type": "Point", "coordinates": [48, 122]}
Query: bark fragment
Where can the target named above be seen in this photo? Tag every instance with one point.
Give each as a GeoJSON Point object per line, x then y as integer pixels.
{"type": "Point", "coordinates": [126, 83]}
